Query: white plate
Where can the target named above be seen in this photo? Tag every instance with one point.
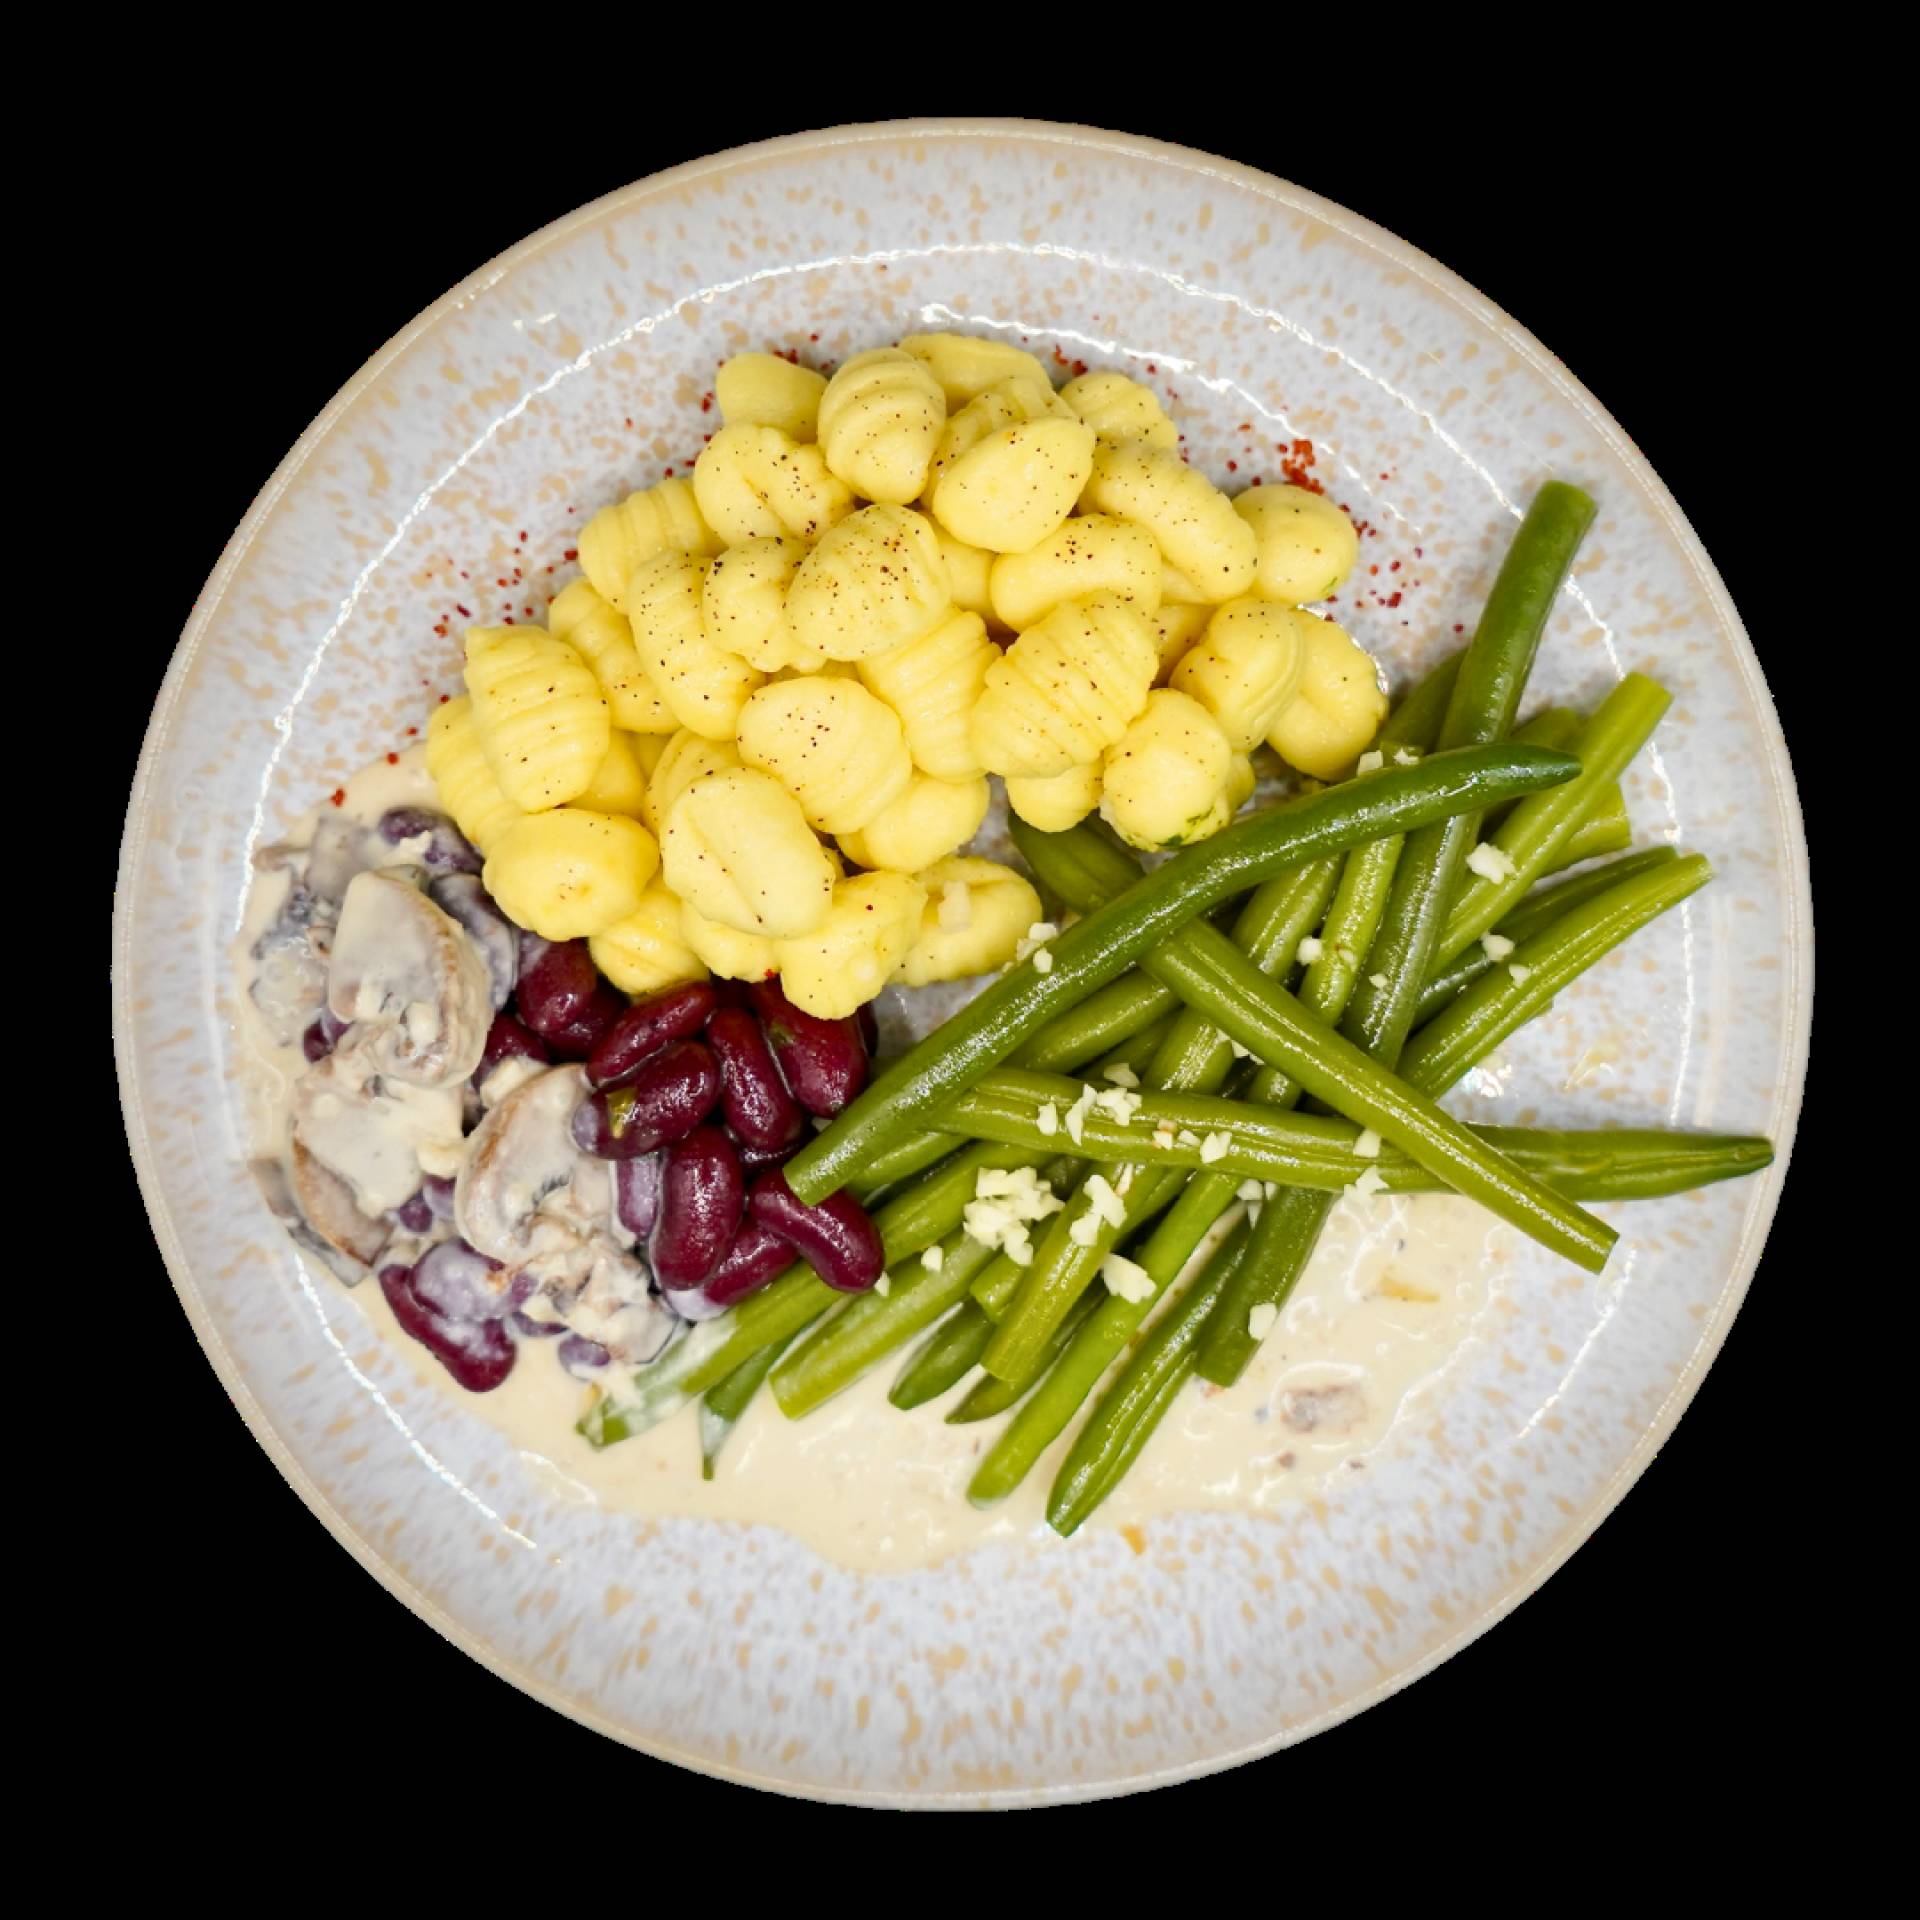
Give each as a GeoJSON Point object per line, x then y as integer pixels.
{"type": "Point", "coordinates": [574, 367]}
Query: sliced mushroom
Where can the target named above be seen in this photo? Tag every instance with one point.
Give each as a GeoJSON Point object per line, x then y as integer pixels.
{"type": "Point", "coordinates": [463, 899]}
{"type": "Point", "coordinates": [375, 1133]}
{"type": "Point", "coordinates": [340, 849]}
{"type": "Point", "coordinates": [406, 972]}
{"type": "Point", "coordinates": [529, 1198]}
{"type": "Point", "coordinates": [327, 1207]}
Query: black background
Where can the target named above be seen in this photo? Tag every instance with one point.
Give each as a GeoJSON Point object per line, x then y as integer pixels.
{"type": "Point", "coordinates": [1651, 272]}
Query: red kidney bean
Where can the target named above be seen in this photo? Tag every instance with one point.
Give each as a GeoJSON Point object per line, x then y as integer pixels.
{"type": "Point", "coordinates": [664, 1101]}
{"type": "Point", "coordinates": [761, 1113]}
{"type": "Point", "coordinates": [478, 1353]}
{"type": "Point", "coordinates": [563, 999]}
{"type": "Point", "coordinates": [580, 1356]}
{"type": "Point", "coordinates": [757, 1159]}
{"type": "Point", "coordinates": [454, 1281]}
{"type": "Point", "coordinates": [757, 1255]}
{"type": "Point", "coordinates": [649, 1027]}
{"type": "Point", "coordinates": [836, 1238]}
{"type": "Point", "coordinates": [822, 1060]}
{"type": "Point", "coordinates": [316, 1043]}
{"type": "Point", "coordinates": [507, 1039]}
{"type": "Point", "coordinates": [636, 1193]}
{"type": "Point", "coordinates": [531, 1329]}
{"type": "Point", "coordinates": [416, 1214]}
{"type": "Point", "coordinates": [869, 1027]}
{"type": "Point", "coordinates": [702, 1196]}
{"type": "Point", "coordinates": [448, 851]}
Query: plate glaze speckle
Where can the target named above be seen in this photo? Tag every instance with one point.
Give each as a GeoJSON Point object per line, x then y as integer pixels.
{"type": "Point", "coordinates": [468, 453]}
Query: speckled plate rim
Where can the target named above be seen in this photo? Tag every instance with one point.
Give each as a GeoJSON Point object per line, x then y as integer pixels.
{"type": "Point", "coordinates": [1798, 958]}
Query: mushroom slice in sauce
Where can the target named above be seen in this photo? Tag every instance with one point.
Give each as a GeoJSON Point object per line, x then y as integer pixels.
{"type": "Point", "coordinates": [463, 899]}
{"type": "Point", "coordinates": [529, 1198]}
{"type": "Point", "coordinates": [410, 975]}
{"type": "Point", "coordinates": [326, 1207]}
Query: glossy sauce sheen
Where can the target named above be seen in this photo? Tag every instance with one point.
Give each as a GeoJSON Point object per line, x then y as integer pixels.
{"type": "Point", "coordinates": [1391, 1293]}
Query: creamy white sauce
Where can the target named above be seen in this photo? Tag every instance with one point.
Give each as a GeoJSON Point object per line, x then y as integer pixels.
{"type": "Point", "coordinates": [1390, 1296]}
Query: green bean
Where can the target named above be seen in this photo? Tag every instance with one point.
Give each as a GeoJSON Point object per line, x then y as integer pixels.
{"type": "Point", "coordinates": [1469, 1029]}
{"type": "Point", "coordinates": [989, 1396]}
{"type": "Point", "coordinates": [1103, 945]}
{"type": "Point", "coordinates": [1485, 696]}
{"type": "Point", "coordinates": [1040, 1420]}
{"type": "Point", "coordinates": [1129, 1411]}
{"type": "Point", "coordinates": [1607, 829]}
{"type": "Point", "coordinates": [1287, 1149]}
{"type": "Point", "coordinates": [1213, 977]}
{"type": "Point", "coordinates": [875, 1324]}
{"type": "Point", "coordinates": [1267, 931]}
{"type": "Point", "coordinates": [722, 1406]}
{"type": "Point", "coordinates": [993, 1292]}
{"type": "Point", "coordinates": [1539, 909]}
{"type": "Point", "coordinates": [1121, 1009]}
{"type": "Point", "coordinates": [1525, 983]}
{"type": "Point", "coordinates": [1532, 835]}
{"type": "Point", "coordinates": [945, 1358]}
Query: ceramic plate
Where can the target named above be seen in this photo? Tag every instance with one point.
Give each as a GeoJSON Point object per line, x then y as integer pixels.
{"type": "Point", "coordinates": [1280, 327]}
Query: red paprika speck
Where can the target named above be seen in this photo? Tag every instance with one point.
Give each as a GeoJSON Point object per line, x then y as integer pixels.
{"type": "Point", "coordinates": [1386, 476]}
{"type": "Point", "coordinates": [461, 611]}
{"type": "Point", "coordinates": [1392, 600]}
{"type": "Point", "coordinates": [1419, 553]}
{"type": "Point", "coordinates": [706, 403]}
{"type": "Point", "coordinates": [393, 759]}
{"type": "Point", "coordinates": [1151, 368]}
{"type": "Point", "coordinates": [1458, 628]}
{"type": "Point", "coordinates": [1375, 568]}
{"type": "Point", "coordinates": [444, 698]}
{"type": "Point", "coordinates": [572, 553]}
{"type": "Point", "coordinates": [1395, 567]}
{"type": "Point", "coordinates": [1233, 466]}
{"type": "Point", "coordinates": [503, 583]}
{"type": "Point", "coordinates": [338, 796]}
{"type": "Point", "coordinates": [440, 628]}
{"type": "Point", "coordinates": [411, 731]}
{"type": "Point", "coordinates": [523, 537]}
{"type": "Point", "coordinates": [1255, 481]}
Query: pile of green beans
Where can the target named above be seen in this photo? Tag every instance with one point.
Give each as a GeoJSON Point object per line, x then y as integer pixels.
{"type": "Point", "coordinates": [1286, 1002]}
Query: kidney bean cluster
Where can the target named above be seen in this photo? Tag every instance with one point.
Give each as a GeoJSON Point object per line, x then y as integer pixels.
{"type": "Point", "coordinates": [699, 1095]}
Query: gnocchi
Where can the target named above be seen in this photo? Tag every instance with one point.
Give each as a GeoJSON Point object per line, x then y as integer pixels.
{"type": "Point", "coordinates": [1014, 487]}
{"type": "Point", "coordinates": [744, 609]}
{"type": "Point", "coordinates": [1245, 668]}
{"type": "Point", "coordinates": [541, 717]}
{"type": "Point", "coordinates": [966, 366]}
{"type": "Point", "coordinates": [933, 684]}
{"type": "Point", "coordinates": [688, 757]}
{"type": "Point", "coordinates": [1165, 781]}
{"type": "Point", "coordinates": [467, 788]}
{"type": "Point", "coordinates": [753, 482]}
{"type": "Point", "coordinates": [930, 819]}
{"type": "Point", "coordinates": [1337, 708]}
{"type": "Point", "coordinates": [1118, 408]}
{"type": "Point", "coordinates": [975, 915]}
{"type": "Point", "coordinates": [618, 785]}
{"type": "Point", "coordinates": [1191, 520]}
{"type": "Point", "coordinates": [857, 948]}
{"type": "Point", "coordinates": [1066, 690]}
{"type": "Point", "coordinates": [621, 537]}
{"type": "Point", "coordinates": [727, 951]}
{"type": "Point", "coordinates": [875, 582]}
{"type": "Point", "coordinates": [834, 746]}
{"type": "Point", "coordinates": [1054, 802]}
{"type": "Point", "coordinates": [766, 390]}
{"type": "Point", "coordinates": [604, 640]}
{"type": "Point", "coordinates": [1306, 545]}
{"type": "Point", "coordinates": [880, 420]}
{"type": "Point", "coordinates": [1092, 553]}
{"type": "Point", "coordinates": [703, 685]}
{"type": "Point", "coordinates": [647, 951]}
{"type": "Point", "coordinates": [570, 873]}
{"type": "Point", "coordinates": [738, 850]}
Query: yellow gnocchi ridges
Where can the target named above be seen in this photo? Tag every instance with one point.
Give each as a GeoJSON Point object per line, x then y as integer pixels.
{"type": "Point", "coordinates": [753, 482]}
{"type": "Point", "coordinates": [965, 365]}
{"type": "Point", "coordinates": [933, 684]}
{"type": "Point", "coordinates": [1165, 781]}
{"type": "Point", "coordinates": [1244, 668]}
{"type": "Point", "coordinates": [744, 609]}
{"type": "Point", "coordinates": [619, 538]}
{"type": "Point", "coordinates": [1118, 408]}
{"type": "Point", "coordinates": [1192, 521]}
{"type": "Point", "coordinates": [768, 390]}
{"type": "Point", "coordinates": [1091, 553]}
{"type": "Point", "coordinates": [601, 635]}
{"type": "Point", "coordinates": [704, 686]}
{"type": "Point", "coordinates": [859, 945]}
{"type": "Point", "coordinates": [570, 873]}
{"type": "Point", "coordinates": [458, 766]}
{"type": "Point", "coordinates": [975, 915]}
{"type": "Point", "coordinates": [647, 951]}
{"type": "Point", "coordinates": [543, 722]}
{"type": "Point", "coordinates": [1066, 689]}
{"type": "Point", "coordinates": [839, 750]}
{"type": "Point", "coordinates": [880, 420]}
{"type": "Point", "coordinates": [874, 582]}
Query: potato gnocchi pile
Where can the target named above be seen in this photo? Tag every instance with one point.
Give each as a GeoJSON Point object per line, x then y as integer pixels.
{"type": "Point", "coordinates": [755, 739]}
